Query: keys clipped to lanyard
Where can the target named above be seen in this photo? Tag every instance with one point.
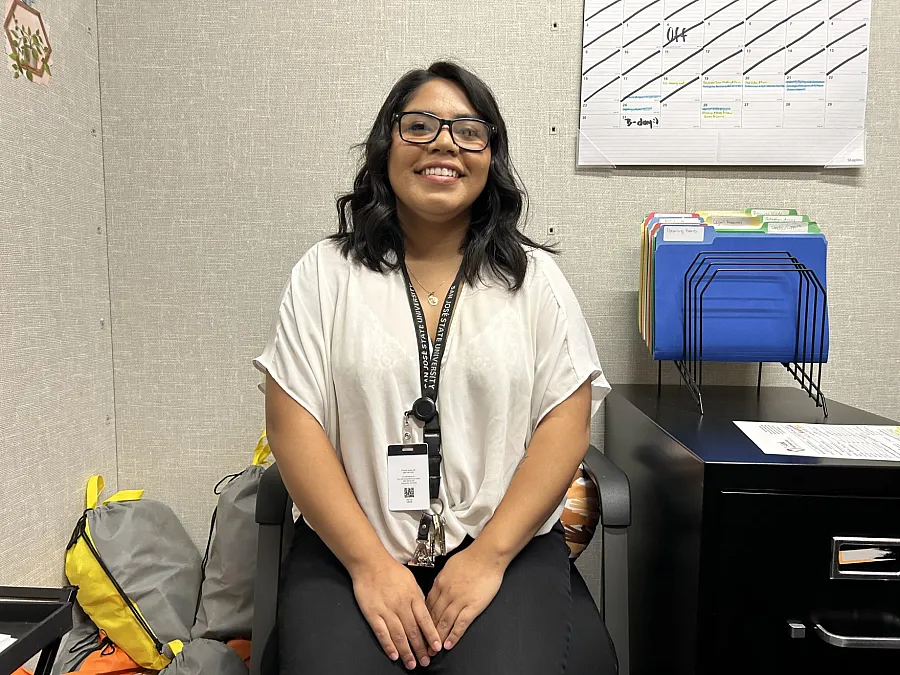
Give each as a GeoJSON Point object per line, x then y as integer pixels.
{"type": "Point", "coordinates": [438, 540]}
{"type": "Point", "coordinates": [430, 541]}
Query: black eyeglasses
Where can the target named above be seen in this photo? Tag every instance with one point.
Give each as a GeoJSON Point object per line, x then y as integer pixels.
{"type": "Point", "coordinates": [468, 133]}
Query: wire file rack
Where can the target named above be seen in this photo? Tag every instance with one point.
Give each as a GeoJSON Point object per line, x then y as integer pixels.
{"type": "Point", "coordinates": [810, 327]}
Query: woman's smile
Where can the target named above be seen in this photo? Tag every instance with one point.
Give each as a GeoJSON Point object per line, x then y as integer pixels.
{"type": "Point", "coordinates": [440, 173]}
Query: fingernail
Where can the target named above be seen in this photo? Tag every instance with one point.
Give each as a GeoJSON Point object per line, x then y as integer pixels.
{"type": "Point", "coordinates": [425, 661]}
{"type": "Point", "coordinates": [410, 665]}
{"type": "Point", "coordinates": [448, 645]}
{"type": "Point", "coordinates": [393, 656]}
{"type": "Point", "coordinates": [436, 645]}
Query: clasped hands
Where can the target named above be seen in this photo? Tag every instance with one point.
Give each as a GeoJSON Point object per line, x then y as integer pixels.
{"type": "Point", "coordinates": [410, 626]}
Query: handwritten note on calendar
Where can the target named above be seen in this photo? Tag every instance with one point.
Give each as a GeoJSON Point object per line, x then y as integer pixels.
{"type": "Point", "coordinates": [724, 82]}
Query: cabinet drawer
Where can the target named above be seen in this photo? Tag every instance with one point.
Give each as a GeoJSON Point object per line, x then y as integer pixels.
{"type": "Point", "coordinates": [777, 559]}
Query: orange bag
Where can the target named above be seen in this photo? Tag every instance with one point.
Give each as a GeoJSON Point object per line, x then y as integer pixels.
{"type": "Point", "coordinates": [242, 647]}
{"type": "Point", "coordinates": [110, 660]}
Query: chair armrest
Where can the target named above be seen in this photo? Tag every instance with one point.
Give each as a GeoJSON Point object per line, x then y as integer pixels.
{"type": "Point", "coordinates": [273, 518]}
{"type": "Point", "coordinates": [272, 498]}
{"type": "Point", "coordinates": [612, 486]}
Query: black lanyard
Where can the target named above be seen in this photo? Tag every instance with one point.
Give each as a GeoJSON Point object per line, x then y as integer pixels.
{"type": "Point", "coordinates": [425, 407]}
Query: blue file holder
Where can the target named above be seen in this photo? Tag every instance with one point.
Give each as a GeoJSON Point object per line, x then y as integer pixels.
{"type": "Point", "coordinates": [754, 298]}
{"type": "Point", "coordinates": [742, 296]}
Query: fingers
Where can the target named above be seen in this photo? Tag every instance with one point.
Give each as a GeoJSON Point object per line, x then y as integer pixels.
{"type": "Point", "coordinates": [426, 624]}
{"type": "Point", "coordinates": [415, 638]}
{"type": "Point", "coordinates": [398, 637]}
{"type": "Point", "coordinates": [463, 621]}
{"type": "Point", "coordinates": [383, 636]}
{"type": "Point", "coordinates": [433, 595]}
{"type": "Point", "coordinates": [437, 611]}
{"type": "Point", "coordinates": [447, 619]}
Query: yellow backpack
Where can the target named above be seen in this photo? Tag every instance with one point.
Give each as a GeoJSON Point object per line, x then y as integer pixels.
{"type": "Point", "coordinates": [117, 556]}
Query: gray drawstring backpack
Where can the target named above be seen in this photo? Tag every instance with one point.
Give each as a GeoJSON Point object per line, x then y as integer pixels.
{"type": "Point", "coordinates": [225, 605]}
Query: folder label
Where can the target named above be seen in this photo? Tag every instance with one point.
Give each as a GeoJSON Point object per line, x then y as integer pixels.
{"type": "Point", "coordinates": [773, 212]}
{"type": "Point", "coordinates": [783, 219]}
{"type": "Point", "coordinates": [789, 228]}
{"type": "Point", "coordinates": [737, 222]}
{"type": "Point", "coordinates": [683, 233]}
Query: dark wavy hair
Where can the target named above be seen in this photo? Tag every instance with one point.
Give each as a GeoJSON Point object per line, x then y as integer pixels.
{"type": "Point", "coordinates": [369, 232]}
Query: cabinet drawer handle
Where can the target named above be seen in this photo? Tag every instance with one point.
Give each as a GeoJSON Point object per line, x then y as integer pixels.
{"type": "Point", "coordinates": [857, 641]}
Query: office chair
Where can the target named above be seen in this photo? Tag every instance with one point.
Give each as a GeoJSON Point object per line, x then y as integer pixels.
{"type": "Point", "coordinates": [273, 514]}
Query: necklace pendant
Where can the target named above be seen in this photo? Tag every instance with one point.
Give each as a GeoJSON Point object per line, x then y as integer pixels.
{"type": "Point", "coordinates": [432, 299]}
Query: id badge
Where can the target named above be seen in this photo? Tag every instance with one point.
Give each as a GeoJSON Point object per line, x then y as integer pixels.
{"type": "Point", "coordinates": [408, 477]}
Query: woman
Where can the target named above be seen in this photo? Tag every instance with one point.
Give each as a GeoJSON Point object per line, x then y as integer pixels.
{"type": "Point", "coordinates": [429, 293]}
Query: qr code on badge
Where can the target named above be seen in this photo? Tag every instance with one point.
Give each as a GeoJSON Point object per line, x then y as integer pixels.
{"type": "Point", "coordinates": [409, 493]}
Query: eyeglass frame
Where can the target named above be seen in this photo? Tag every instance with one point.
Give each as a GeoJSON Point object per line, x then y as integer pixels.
{"type": "Point", "coordinates": [492, 129]}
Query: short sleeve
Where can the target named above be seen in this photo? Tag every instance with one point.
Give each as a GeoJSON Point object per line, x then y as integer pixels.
{"type": "Point", "coordinates": [296, 352]}
{"type": "Point", "coordinates": [565, 353]}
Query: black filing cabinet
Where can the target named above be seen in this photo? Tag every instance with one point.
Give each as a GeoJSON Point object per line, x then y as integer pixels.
{"type": "Point", "coordinates": [741, 562]}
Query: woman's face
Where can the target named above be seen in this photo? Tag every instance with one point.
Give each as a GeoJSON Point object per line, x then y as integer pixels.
{"type": "Point", "coordinates": [429, 197]}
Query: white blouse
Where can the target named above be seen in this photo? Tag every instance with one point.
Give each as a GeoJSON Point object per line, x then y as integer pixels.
{"type": "Point", "coordinates": [343, 345]}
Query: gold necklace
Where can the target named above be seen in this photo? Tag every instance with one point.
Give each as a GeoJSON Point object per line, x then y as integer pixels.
{"type": "Point", "coordinates": [432, 298]}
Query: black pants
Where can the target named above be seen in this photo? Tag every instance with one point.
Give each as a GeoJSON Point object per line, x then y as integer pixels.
{"type": "Point", "coordinates": [526, 630]}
